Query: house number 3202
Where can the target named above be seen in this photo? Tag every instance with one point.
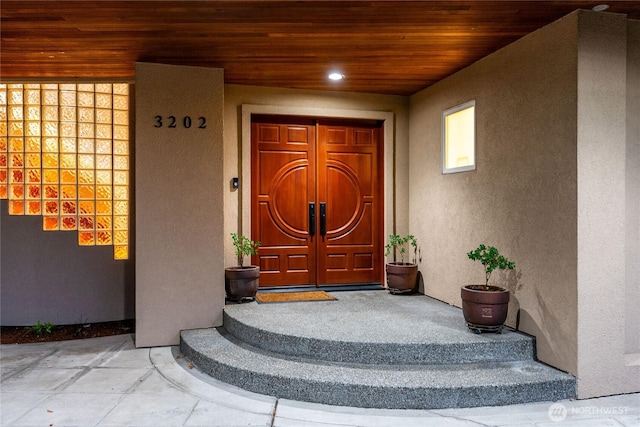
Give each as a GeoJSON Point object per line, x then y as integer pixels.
{"type": "Point", "coordinates": [187, 122]}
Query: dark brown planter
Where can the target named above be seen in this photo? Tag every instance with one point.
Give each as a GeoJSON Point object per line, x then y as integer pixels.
{"type": "Point", "coordinates": [484, 310]}
{"type": "Point", "coordinates": [402, 277]}
{"type": "Point", "coordinates": [241, 283]}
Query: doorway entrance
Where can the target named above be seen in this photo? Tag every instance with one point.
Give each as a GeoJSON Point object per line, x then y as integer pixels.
{"type": "Point", "coordinates": [316, 200]}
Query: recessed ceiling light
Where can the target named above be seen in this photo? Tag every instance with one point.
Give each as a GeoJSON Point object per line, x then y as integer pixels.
{"type": "Point", "coordinates": [600, 7]}
{"type": "Point", "coordinates": [336, 76]}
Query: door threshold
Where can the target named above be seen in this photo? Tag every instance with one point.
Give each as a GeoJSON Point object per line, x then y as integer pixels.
{"type": "Point", "coordinates": [327, 288]}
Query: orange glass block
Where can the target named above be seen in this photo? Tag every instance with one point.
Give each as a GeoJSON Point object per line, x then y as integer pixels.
{"type": "Point", "coordinates": [86, 130]}
{"type": "Point", "coordinates": [51, 129]}
{"type": "Point", "coordinates": [17, 176]}
{"type": "Point", "coordinates": [86, 177]}
{"type": "Point", "coordinates": [16, 128]}
{"type": "Point", "coordinates": [50, 114]}
{"type": "Point", "coordinates": [68, 161]}
{"type": "Point", "coordinates": [3, 176]}
{"type": "Point", "coordinates": [51, 176]}
{"type": "Point", "coordinates": [50, 145]}
{"type": "Point", "coordinates": [120, 238]}
{"type": "Point", "coordinates": [104, 87]}
{"type": "Point", "coordinates": [33, 113]}
{"type": "Point", "coordinates": [50, 208]}
{"type": "Point", "coordinates": [3, 160]}
{"type": "Point", "coordinates": [34, 208]}
{"type": "Point", "coordinates": [121, 162]}
{"type": "Point", "coordinates": [50, 160]}
{"type": "Point", "coordinates": [68, 114]}
{"type": "Point", "coordinates": [86, 238]}
{"type": "Point", "coordinates": [50, 97]}
{"type": "Point", "coordinates": [121, 178]}
{"type": "Point", "coordinates": [33, 192]}
{"type": "Point", "coordinates": [85, 98]}
{"type": "Point", "coordinates": [3, 113]}
{"type": "Point", "coordinates": [16, 192]}
{"type": "Point", "coordinates": [16, 145]}
{"type": "Point", "coordinates": [120, 192]}
{"type": "Point", "coordinates": [120, 102]}
{"type": "Point", "coordinates": [120, 222]}
{"type": "Point", "coordinates": [51, 192]}
{"type": "Point", "coordinates": [103, 223]}
{"type": "Point", "coordinates": [103, 192]}
{"type": "Point", "coordinates": [33, 175]}
{"type": "Point", "coordinates": [104, 207]}
{"type": "Point", "coordinates": [86, 145]}
{"type": "Point", "coordinates": [33, 160]}
{"type": "Point", "coordinates": [67, 129]}
{"type": "Point", "coordinates": [103, 177]}
{"type": "Point", "coordinates": [32, 145]}
{"type": "Point", "coordinates": [103, 131]}
{"type": "Point", "coordinates": [86, 161]}
{"type": "Point", "coordinates": [85, 87]}
{"type": "Point", "coordinates": [3, 191]}
{"type": "Point", "coordinates": [68, 222]}
{"type": "Point", "coordinates": [3, 144]}
{"type": "Point", "coordinates": [86, 222]}
{"type": "Point", "coordinates": [17, 160]}
{"type": "Point", "coordinates": [16, 207]}
{"type": "Point", "coordinates": [103, 100]}
{"type": "Point", "coordinates": [121, 117]}
{"type": "Point", "coordinates": [68, 192]}
{"type": "Point", "coordinates": [32, 96]}
{"type": "Point", "coordinates": [120, 252]}
{"type": "Point", "coordinates": [104, 238]}
{"type": "Point", "coordinates": [67, 98]}
{"type": "Point", "coordinates": [121, 147]}
{"type": "Point", "coordinates": [121, 132]}
{"type": "Point", "coordinates": [68, 176]}
{"type": "Point", "coordinates": [3, 129]}
{"type": "Point", "coordinates": [87, 207]}
{"type": "Point", "coordinates": [121, 208]}
{"type": "Point", "coordinates": [103, 146]}
{"type": "Point", "coordinates": [103, 161]}
{"type": "Point", "coordinates": [50, 223]}
{"type": "Point", "coordinates": [104, 116]}
{"type": "Point", "coordinates": [68, 208]}
{"type": "Point", "coordinates": [86, 192]}
{"type": "Point", "coordinates": [121, 88]}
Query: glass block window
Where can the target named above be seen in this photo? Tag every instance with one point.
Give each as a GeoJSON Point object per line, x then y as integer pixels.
{"type": "Point", "coordinates": [459, 138]}
{"type": "Point", "coordinates": [64, 155]}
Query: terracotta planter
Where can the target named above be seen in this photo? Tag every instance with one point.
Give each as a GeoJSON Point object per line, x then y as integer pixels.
{"type": "Point", "coordinates": [484, 310]}
{"type": "Point", "coordinates": [241, 283]}
{"type": "Point", "coordinates": [401, 277]}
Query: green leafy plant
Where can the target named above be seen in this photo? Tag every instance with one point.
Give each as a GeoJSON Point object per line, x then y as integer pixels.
{"type": "Point", "coordinates": [401, 244]}
{"type": "Point", "coordinates": [244, 246]}
{"type": "Point", "coordinates": [491, 259]}
{"type": "Point", "coordinates": [40, 329]}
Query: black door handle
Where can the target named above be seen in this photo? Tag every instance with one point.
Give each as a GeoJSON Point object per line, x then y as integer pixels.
{"type": "Point", "coordinates": [312, 218]}
{"type": "Point", "coordinates": [323, 218]}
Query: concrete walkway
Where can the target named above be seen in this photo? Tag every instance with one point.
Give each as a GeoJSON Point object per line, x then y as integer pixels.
{"type": "Point", "coordinates": [108, 382]}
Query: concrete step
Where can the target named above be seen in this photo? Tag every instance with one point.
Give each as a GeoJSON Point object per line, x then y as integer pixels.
{"type": "Point", "coordinates": [412, 386]}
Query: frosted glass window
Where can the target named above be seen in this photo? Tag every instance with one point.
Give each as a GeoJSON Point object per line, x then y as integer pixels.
{"type": "Point", "coordinates": [459, 138]}
{"type": "Point", "coordinates": [57, 146]}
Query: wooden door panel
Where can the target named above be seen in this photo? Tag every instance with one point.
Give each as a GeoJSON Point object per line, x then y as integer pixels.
{"type": "Point", "coordinates": [282, 186]}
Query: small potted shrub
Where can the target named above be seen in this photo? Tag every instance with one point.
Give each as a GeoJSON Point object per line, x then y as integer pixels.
{"type": "Point", "coordinates": [485, 306]}
{"type": "Point", "coordinates": [241, 282]}
{"type": "Point", "coordinates": [401, 275]}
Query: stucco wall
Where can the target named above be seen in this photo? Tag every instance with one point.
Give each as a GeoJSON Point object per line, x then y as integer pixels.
{"type": "Point", "coordinates": [602, 162]}
{"type": "Point", "coordinates": [179, 209]}
{"type": "Point", "coordinates": [392, 109]}
{"type": "Point", "coordinates": [47, 277]}
{"type": "Point", "coordinates": [522, 196]}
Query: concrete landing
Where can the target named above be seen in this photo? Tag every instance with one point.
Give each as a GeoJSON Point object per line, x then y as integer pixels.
{"type": "Point", "coordinates": [372, 349]}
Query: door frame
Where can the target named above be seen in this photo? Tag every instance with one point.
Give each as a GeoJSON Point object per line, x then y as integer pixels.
{"type": "Point", "coordinates": [388, 119]}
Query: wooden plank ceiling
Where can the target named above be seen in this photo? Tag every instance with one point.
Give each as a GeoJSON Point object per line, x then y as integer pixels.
{"type": "Point", "coordinates": [387, 47]}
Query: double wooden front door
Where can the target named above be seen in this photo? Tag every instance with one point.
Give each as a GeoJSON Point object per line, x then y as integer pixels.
{"type": "Point", "coordinates": [316, 201]}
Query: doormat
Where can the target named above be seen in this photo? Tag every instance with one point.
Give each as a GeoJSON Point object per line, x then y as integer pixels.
{"type": "Point", "coordinates": [294, 296]}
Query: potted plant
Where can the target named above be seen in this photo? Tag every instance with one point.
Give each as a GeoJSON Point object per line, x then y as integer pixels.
{"type": "Point", "coordinates": [241, 282]}
{"type": "Point", "coordinates": [485, 306]}
{"type": "Point", "coordinates": [401, 276]}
